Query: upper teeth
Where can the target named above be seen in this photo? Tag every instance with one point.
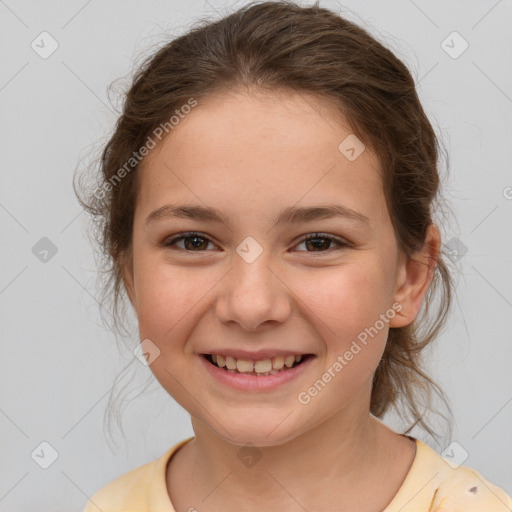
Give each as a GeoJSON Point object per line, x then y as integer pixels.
{"type": "Point", "coordinates": [260, 366]}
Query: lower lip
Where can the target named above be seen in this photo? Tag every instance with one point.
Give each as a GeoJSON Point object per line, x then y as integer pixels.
{"type": "Point", "coordinates": [253, 382]}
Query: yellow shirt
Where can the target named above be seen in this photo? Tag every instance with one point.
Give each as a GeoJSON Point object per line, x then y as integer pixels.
{"type": "Point", "coordinates": [431, 485]}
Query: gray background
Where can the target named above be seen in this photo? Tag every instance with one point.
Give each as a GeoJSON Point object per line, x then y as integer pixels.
{"type": "Point", "coordinates": [58, 363]}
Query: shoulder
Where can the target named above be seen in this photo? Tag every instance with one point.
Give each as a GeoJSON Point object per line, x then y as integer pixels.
{"type": "Point", "coordinates": [127, 492]}
{"type": "Point", "coordinates": [465, 489]}
{"type": "Point", "coordinates": [141, 489]}
{"type": "Point", "coordinates": [434, 484]}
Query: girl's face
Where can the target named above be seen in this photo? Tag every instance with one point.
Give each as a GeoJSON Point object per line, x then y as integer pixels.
{"type": "Point", "coordinates": [254, 288]}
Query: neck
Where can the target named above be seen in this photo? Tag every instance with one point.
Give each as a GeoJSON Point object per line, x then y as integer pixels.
{"type": "Point", "coordinates": [348, 454]}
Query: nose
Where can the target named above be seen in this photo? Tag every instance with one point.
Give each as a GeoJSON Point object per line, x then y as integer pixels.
{"type": "Point", "coordinates": [254, 296]}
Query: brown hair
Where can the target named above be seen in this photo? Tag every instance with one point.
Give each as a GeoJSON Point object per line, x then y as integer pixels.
{"type": "Point", "coordinates": [280, 45]}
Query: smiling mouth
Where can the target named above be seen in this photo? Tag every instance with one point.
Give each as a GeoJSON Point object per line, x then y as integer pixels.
{"type": "Point", "coordinates": [261, 368]}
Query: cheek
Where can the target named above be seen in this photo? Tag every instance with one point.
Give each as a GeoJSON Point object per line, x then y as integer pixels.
{"type": "Point", "coordinates": [346, 298]}
{"type": "Point", "coordinates": [347, 304]}
{"type": "Point", "coordinates": [167, 298]}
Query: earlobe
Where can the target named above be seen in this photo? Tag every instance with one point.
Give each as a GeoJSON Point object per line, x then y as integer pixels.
{"type": "Point", "coordinates": [414, 278]}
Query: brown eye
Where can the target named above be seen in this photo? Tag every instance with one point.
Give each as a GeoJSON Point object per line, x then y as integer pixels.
{"type": "Point", "coordinates": [319, 242]}
{"type": "Point", "coordinates": [316, 242]}
{"type": "Point", "coordinates": [193, 242]}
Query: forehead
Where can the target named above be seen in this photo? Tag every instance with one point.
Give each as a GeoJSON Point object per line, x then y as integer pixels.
{"type": "Point", "coordinates": [264, 150]}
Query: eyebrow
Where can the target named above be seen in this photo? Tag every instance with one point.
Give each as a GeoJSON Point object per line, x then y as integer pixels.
{"type": "Point", "coordinates": [290, 215]}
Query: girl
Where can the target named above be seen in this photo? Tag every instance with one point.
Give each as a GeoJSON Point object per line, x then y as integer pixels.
{"type": "Point", "coordinates": [266, 201]}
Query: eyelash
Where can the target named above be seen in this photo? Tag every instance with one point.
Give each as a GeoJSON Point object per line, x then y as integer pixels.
{"type": "Point", "coordinates": [191, 234]}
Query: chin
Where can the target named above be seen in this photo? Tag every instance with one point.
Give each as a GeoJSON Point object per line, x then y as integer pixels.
{"type": "Point", "coordinates": [251, 431]}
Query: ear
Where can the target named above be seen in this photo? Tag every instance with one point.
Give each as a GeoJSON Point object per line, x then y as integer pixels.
{"type": "Point", "coordinates": [414, 277]}
{"type": "Point", "coordinates": [126, 266]}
